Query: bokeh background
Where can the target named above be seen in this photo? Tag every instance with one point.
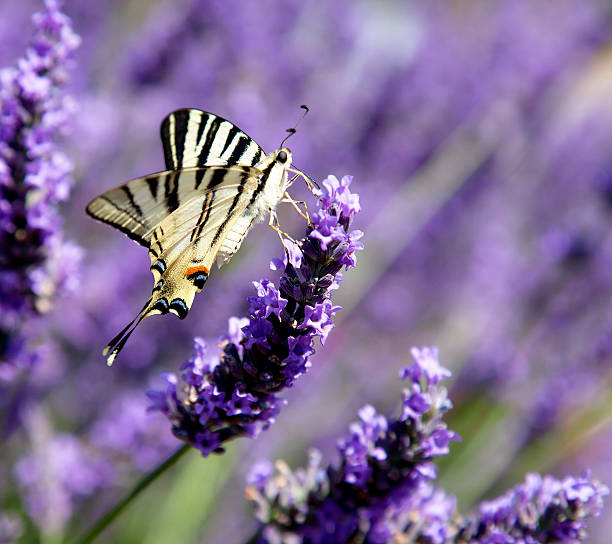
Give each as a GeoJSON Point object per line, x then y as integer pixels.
{"type": "Point", "coordinates": [479, 135]}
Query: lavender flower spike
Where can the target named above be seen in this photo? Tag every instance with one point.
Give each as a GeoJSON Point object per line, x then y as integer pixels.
{"type": "Point", "coordinates": [381, 487]}
{"type": "Point", "coordinates": [34, 176]}
{"type": "Point", "coordinates": [382, 490]}
{"type": "Point", "coordinates": [543, 509]}
{"type": "Point", "coordinates": [217, 400]}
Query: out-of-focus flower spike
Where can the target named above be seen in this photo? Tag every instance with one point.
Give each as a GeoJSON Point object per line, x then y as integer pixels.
{"type": "Point", "coordinates": [35, 263]}
{"type": "Point", "coordinates": [542, 509]}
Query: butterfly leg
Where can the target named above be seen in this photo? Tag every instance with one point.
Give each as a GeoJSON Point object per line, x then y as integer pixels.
{"type": "Point", "coordinates": [310, 183]}
{"type": "Point", "coordinates": [273, 223]}
{"type": "Point", "coordinates": [295, 203]}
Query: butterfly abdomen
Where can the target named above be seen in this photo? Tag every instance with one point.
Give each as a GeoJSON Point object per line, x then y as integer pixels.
{"type": "Point", "coordinates": [235, 236]}
{"type": "Point", "coordinates": [266, 196]}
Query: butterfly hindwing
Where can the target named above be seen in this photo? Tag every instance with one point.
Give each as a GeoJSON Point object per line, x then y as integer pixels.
{"type": "Point", "coordinates": [195, 138]}
{"type": "Point", "coordinates": [187, 257]}
{"type": "Point", "coordinates": [233, 239]}
{"type": "Point", "coordinates": [204, 220]}
{"type": "Point", "coordinates": [185, 244]}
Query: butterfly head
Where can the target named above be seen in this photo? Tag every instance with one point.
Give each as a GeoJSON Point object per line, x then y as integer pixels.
{"type": "Point", "coordinates": [279, 163]}
{"type": "Point", "coordinates": [283, 157]}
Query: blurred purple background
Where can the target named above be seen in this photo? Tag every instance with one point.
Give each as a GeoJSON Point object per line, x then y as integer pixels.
{"type": "Point", "coordinates": [479, 135]}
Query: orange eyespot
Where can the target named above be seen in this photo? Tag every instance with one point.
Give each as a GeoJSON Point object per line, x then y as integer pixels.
{"type": "Point", "coordinates": [195, 269]}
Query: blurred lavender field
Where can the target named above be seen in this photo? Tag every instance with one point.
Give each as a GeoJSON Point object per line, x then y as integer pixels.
{"type": "Point", "coordinates": [479, 135]}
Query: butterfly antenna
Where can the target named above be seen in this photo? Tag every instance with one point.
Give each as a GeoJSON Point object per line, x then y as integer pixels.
{"type": "Point", "coordinates": [292, 130]}
{"type": "Point", "coordinates": [117, 343]}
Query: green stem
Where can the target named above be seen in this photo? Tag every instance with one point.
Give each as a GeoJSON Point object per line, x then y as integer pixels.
{"type": "Point", "coordinates": [111, 514]}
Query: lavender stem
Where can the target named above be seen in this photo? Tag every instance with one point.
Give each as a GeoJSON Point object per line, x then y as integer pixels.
{"type": "Point", "coordinates": [114, 512]}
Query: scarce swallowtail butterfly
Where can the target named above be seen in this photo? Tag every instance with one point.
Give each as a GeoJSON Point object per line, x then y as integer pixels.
{"type": "Point", "coordinates": [217, 184]}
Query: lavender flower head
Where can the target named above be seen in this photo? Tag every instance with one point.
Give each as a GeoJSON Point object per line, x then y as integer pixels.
{"type": "Point", "coordinates": [382, 488]}
{"type": "Point", "coordinates": [542, 509]}
{"type": "Point", "coordinates": [236, 393]}
{"type": "Point", "coordinates": [34, 175]}
{"type": "Point", "coordinates": [385, 470]}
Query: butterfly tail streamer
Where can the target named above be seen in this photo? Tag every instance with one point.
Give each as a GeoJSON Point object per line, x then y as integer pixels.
{"type": "Point", "coordinates": [116, 344]}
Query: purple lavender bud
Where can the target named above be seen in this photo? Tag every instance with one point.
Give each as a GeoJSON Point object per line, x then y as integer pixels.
{"type": "Point", "coordinates": [337, 193]}
{"type": "Point", "coordinates": [237, 395]}
{"type": "Point", "coordinates": [320, 318]}
{"type": "Point", "coordinates": [300, 349]}
{"type": "Point", "coordinates": [268, 300]}
{"type": "Point", "coordinates": [234, 330]}
{"type": "Point", "coordinates": [380, 488]}
{"type": "Point", "coordinates": [428, 364]}
{"type": "Point", "coordinates": [328, 231]}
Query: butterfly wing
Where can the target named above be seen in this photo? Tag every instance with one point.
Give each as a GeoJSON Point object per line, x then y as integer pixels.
{"type": "Point", "coordinates": [138, 207]}
{"type": "Point", "coordinates": [203, 223]}
{"type": "Point", "coordinates": [186, 242]}
{"type": "Point", "coordinates": [191, 139]}
{"type": "Point", "coordinates": [194, 138]}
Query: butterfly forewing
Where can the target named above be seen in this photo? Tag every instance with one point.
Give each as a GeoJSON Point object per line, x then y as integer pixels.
{"type": "Point", "coordinates": [135, 208]}
{"type": "Point", "coordinates": [195, 138]}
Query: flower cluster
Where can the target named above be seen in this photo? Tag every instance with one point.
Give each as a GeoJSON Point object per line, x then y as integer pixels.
{"type": "Point", "coordinates": [236, 394]}
{"type": "Point", "coordinates": [382, 489]}
{"type": "Point", "coordinates": [34, 177]}
{"type": "Point", "coordinates": [385, 469]}
{"type": "Point", "coordinates": [542, 509]}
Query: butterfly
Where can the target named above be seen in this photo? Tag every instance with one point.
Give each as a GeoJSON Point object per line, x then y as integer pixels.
{"type": "Point", "coordinates": [217, 184]}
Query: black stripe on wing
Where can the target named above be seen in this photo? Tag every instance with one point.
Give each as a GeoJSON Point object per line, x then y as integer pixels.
{"type": "Point", "coordinates": [204, 215]}
{"type": "Point", "coordinates": [194, 138]}
{"type": "Point", "coordinates": [229, 216]}
{"type": "Point", "coordinates": [124, 219]}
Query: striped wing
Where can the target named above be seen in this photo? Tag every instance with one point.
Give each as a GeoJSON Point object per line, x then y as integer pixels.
{"type": "Point", "coordinates": [201, 225]}
{"type": "Point", "coordinates": [185, 244]}
{"type": "Point", "coordinates": [195, 138]}
{"type": "Point", "coordinates": [138, 207]}
{"type": "Point", "coordinates": [191, 139]}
